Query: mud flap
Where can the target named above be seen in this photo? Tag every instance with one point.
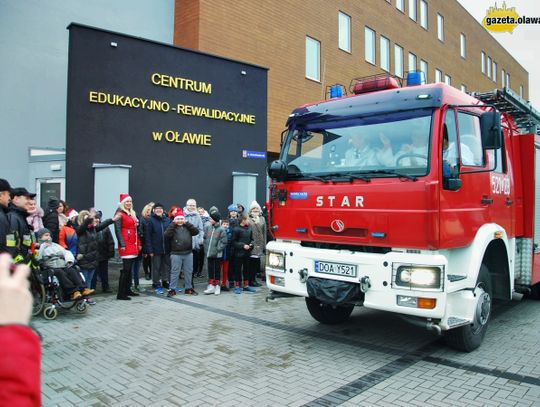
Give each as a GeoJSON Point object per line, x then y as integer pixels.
{"type": "Point", "coordinates": [333, 292]}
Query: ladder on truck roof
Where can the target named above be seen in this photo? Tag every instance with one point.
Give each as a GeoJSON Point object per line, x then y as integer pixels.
{"type": "Point", "coordinates": [527, 118]}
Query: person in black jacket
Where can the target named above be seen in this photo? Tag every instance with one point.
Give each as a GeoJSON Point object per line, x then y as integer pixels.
{"type": "Point", "coordinates": [243, 244]}
{"type": "Point", "coordinates": [51, 220]}
{"type": "Point", "coordinates": [20, 237]}
{"type": "Point", "coordinates": [180, 237]}
{"type": "Point", "coordinates": [87, 244]}
{"type": "Point", "coordinates": [157, 247]}
{"type": "Point", "coordinates": [105, 244]}
{"type": "Point", "coordinates": [5, 198]}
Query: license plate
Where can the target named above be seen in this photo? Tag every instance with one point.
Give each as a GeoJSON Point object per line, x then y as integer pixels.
{"type": "Point", "coordinates": [339, 269]}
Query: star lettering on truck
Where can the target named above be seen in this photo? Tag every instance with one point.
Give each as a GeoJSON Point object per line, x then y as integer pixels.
{"type": "Point", "coordinates": [332, 201]}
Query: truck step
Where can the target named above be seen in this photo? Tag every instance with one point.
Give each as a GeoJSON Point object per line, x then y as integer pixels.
{"type": "Point", "coordinates": [454, 322]}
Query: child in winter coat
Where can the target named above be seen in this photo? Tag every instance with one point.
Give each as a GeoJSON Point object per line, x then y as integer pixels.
{"type": "Point", "coordinates": [243, 245]}
{"type": "Point", "coordinates": [227, 254]}
{"type": "Point", "coordinates": [68, 235]}
{"type": "Point", "coordinates": [180, 234]}
{"type": "Point", "coordinates": [215, 241]}
{"type": "Point", "coordinates": [54, 257]}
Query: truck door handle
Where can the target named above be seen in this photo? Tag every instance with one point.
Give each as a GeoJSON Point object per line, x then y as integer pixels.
{"type": "Point", "coordinates": [486, 200]}
{"type": "Point", "coordinates": [509, 202]}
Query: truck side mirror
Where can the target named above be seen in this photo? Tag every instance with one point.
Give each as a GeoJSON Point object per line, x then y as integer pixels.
{"type": "Point", "coordinates": [278, 170]}
{"type": "Point", "coordinates": [490, 127]}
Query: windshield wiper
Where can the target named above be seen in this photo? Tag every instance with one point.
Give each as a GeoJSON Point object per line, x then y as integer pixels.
{"type": "Point", "coordinates": [306, 176]}
{"type": "Point", "coordinates": [393, 172]}
{"type": "Point", "coordinates": [348, 175]}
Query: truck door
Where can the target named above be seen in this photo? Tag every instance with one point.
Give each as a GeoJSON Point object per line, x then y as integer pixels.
{"type": "Point", "coordinates": [502, 188]}
{"type": "Point", "coordinates": [464, 210]}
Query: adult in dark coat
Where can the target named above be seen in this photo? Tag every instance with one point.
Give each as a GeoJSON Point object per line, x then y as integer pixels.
{"type": "Point", "coordinates": [105, 243]}
{"type": "Point", "coordinates": [5, 197]}
{"type": "Point", "coordinates": [87, 244]}
{"type": "Point", "coordinates": [50, 219]}
{"type": "Point", "coordinates": [20, 236]}
{"type": "Point", "coordinates": [157, 246]}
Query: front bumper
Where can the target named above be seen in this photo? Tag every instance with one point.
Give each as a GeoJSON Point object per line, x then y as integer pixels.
{"type": "Point", "coordinates": [382, 293]}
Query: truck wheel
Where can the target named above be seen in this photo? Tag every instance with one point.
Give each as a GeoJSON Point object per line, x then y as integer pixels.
{"type": "Point", "coordinates": [328, 314]}
{"type": "Point", "coordinates": [535, 292]}
{"type": "Point", "coordinates": [468, 338]}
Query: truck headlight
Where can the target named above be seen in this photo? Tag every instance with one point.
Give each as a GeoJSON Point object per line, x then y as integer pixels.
{"type": "Point", "coordinates": [275, 260]}
{"type": "Point", "coordinates": [419, 277]}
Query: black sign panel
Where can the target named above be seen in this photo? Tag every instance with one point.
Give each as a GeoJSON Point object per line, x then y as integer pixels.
{"type": "Point", "coordinates": [184, 120]}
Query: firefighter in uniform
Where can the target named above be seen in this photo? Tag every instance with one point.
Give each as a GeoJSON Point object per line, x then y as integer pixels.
{"type": "Point", "coordinates": [5, 198]}
{"type": "Point", "coordinates": [20, 238]}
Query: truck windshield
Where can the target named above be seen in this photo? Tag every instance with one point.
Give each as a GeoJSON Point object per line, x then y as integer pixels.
{"type": "Point", "coordinates": [385, 145]}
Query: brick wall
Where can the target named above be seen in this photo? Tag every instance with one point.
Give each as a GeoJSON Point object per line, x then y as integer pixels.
{"type": "Point", "coordinates": [273, 34]}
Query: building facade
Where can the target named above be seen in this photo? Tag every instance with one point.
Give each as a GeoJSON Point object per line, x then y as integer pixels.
{"type": "Point", "coordinates": [33, 77]}
{"type": "Point", "coordinates": [311, 45]}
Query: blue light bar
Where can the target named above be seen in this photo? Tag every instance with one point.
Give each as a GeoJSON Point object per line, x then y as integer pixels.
{"type": "Point", "coordinates": [336, 91]}
{"type": "Point", "coordinates": [415, 78]}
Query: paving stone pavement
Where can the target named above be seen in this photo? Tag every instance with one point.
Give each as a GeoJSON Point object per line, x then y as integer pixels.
{"type": "Point", "coordinates": [239, 350]}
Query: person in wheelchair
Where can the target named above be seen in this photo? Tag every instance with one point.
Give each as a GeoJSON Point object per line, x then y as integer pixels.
{"type": "Point", "coordinates": [52, 256]}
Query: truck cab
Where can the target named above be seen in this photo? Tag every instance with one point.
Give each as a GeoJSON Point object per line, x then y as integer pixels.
{"type": "Point", "coordinates": [402, 199]}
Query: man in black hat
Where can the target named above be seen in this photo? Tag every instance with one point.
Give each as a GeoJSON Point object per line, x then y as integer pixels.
{"type": "Point", "coordinates": [21, 236]}
{"type": "Point", "coordinates": [5, 198]}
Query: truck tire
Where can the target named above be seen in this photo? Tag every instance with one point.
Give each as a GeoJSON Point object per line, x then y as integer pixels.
{"type": "Point", "coordinates": [468, 338]}
{"type": "Point", "coordinates": [328, 314]}
{"type": "Point", "coordinates": [535, 292]}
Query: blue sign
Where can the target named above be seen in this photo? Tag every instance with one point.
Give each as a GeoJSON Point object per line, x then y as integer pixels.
{"type": "Point", "coordinates": [254, 154]}
{"type": "Point", "coordinates": [299, 195]}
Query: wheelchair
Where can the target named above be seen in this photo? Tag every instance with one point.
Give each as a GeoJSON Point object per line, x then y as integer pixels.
{"type": "Point", "coordinates": [56, 299]}
{"type": "Point", "coordinates": [48, 295]}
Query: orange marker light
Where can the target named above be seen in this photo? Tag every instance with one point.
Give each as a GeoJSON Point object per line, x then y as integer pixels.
{"type": "Point", "coordinates": [427, 303]}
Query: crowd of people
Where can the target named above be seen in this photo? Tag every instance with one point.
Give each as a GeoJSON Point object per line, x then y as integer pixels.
{"type": "Point", "coordinates": [181, 243]}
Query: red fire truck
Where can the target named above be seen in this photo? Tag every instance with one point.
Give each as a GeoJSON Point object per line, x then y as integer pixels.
{"type": "Point", "coordinates": [418, 200]}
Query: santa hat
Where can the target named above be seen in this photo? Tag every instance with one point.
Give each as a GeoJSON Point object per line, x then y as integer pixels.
{"type": "Point", "coordinates": [72, 213]}
{"type": "Point", "coordinates": [124, 198]}
{"type": "Point", "coordinates": [254, 205]}
{"type": "Point", "coordinates": [179, 214]}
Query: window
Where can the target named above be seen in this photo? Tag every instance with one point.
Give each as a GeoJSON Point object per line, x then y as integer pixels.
{"type": "Point", "coordinates": [450, 150]}
{"type": "Point", "coordinates": [470, 142]}
{"type": "Point", "coordinates": [503, 78]}
{"type": "Point", "coordinates": [448, 80]}
{"type": "Point", "coordinates": [334, 147]}
{"type": "Point", "coordinates": [399, 5]}
{"type": "Point", "coordinates": [423, 14]}
{"type": "Point", "coordinates": [412, 62]}
{"type": "Point", "coordinates": [489, 67]}
{"type": "Point", "coordinates": [344, 32]}
{"type": "Point", "coordinates": [438, 76]}
{"type": "Point", "coordinates": [412, 9]}
{"type": "Point", "coordinates": [521, 91]}
{"type": "Point", "coordinates": [424, 69]}
{"type": "Point", "coordinates": [507, 80]}
{"type": "Point", "coordinates": [313, 58]}
{"type": "Point", "coordinates": [385, 54]}
{"type": "Point", "coordinates": [370, 45]}
{"type": "Point", "coordinates": [483, 62]}
{"type": "Point", "coordinates": [494, 72]}
{"type": "Point", "coordinates": [463, 88]}
{"type": "Point", "coordinates": [463, 51]}
{"type": "Point", "coordinates": [440, 27]}
{"type": "Point", "coordinates": [398, 61]}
